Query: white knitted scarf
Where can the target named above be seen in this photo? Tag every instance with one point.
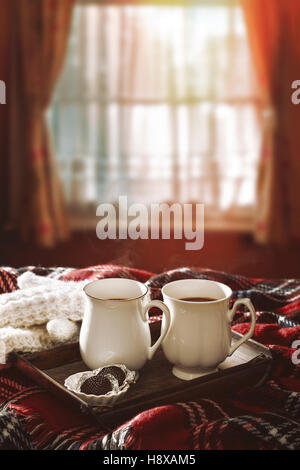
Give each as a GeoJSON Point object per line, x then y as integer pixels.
{"type": "Point", "coordinates": [41, 314]}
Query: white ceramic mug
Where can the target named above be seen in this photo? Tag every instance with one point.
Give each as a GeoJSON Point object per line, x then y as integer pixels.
{"type": "Point", "coordinates": [115, 327]}
{"type": "Point", "coordinates": [199, 337]}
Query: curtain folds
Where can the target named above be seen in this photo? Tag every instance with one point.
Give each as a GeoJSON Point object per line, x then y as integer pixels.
{"type": "Point", "coordinates": [273, 34]}
{"type": "Point", "coordinates": [40, 31]}
{"type": "Point", "coordinates": [4, 56]}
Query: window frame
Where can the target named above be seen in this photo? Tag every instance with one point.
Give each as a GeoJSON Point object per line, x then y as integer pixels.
{"type": "Point", "coordinates": [242, 218]}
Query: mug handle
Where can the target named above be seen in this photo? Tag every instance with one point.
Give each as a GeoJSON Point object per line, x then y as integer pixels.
{"type": "Point", "coordinates": [145, 317]}
{"type": "Point", "coordinates": [230, 316]}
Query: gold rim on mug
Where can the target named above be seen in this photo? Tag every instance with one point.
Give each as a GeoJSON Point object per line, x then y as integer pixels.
{"type": "Point", "coordinates": [111, 299]}
{"type": "Point", "coordinates": [226, 297]}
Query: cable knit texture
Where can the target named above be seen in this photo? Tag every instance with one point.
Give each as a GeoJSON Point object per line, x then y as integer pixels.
{"type": "Point", "coordinates": [40, 314]}
{"type": "Point", "coordinates": [27, 339]}
{"type": "Point", "coordinates": [46, 300]}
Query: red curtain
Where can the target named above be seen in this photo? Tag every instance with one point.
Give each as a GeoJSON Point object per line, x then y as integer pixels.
{"type": "Point", "coordinates": [4, 59]}
{"type": "Point", "coordinates": [39, 34]}
{"type": "Point", "coordinates": [273, 33]}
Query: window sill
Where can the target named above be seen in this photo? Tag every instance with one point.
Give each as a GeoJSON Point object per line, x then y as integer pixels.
{"type": "Point", "coordinates": [243, 222]}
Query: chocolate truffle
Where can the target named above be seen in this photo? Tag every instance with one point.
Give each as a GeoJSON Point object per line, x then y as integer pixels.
{"type": "Point", "coordinates": [96, 385]}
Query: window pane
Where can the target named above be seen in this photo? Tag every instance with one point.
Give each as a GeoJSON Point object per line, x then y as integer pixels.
{"type": "Point", "coordinates": [158, 103]}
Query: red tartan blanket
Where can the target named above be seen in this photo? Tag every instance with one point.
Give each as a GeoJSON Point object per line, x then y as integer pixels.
{"type": "Point", "coordinates": [267, 417]}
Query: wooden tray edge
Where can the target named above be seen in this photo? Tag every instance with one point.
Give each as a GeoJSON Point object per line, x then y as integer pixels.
{"type": "Point", "coordinates": [23, 361]}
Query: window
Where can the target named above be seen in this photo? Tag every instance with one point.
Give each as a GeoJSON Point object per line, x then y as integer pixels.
{"type": "Point", "coordinates": [158, 103]}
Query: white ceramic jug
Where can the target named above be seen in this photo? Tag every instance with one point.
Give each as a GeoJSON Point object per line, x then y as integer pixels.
{"type": "Point", "coordinates": [115, 327]}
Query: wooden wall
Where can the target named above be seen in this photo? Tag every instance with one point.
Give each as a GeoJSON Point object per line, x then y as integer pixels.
{"type": "Point", "coordinates": [231, 252]}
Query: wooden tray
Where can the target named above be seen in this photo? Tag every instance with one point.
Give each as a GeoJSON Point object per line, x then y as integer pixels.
{"type": "Point", "coordinates": [156, 386]}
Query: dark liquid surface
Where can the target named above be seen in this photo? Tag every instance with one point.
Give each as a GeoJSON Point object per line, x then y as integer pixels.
{"type": "Point", "coordinates": [116, 299]}
{"type": "Point", "coordinates": [198, 299]}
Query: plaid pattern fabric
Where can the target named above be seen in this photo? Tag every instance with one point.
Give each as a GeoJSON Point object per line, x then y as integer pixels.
{"type": "Point", "coordinates": [265, 417]}
{"type": "Point", "coordinates": [8, 280]}
{"type": "Point", "coordinates": [13, 435]}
